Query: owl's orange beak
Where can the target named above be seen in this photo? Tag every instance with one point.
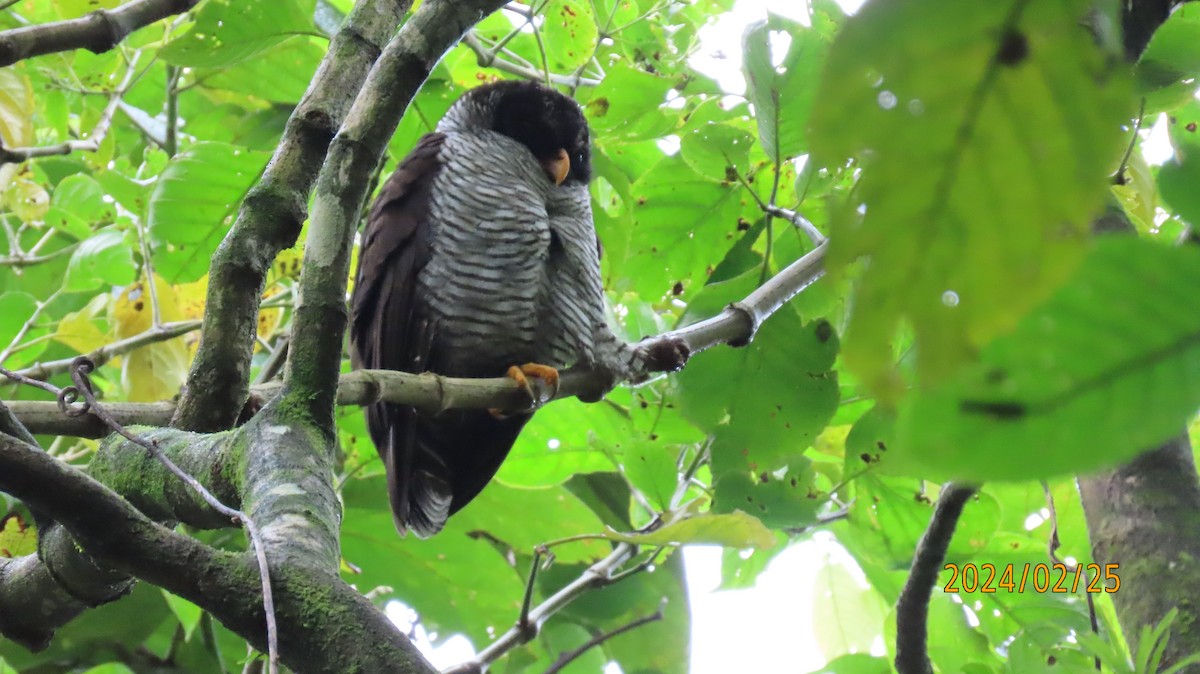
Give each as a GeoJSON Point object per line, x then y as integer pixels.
{"type": "Point", "coordinates": [557, 167]}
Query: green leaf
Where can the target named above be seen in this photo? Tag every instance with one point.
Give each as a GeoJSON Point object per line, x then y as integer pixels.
{"type": "Point", "coordinates": [663, 646]}
{"type": "Point", "coordinates": [765, 402]}
{"type": "Point", "coordinates": [228, 32]}
{"type": "Point", "coordinates": [463, 580]}
{"type": "Point", "coordinates": [567, 438]}
{"type": "Point", "coordinates": [791, 502]}
{"type": "Point", "coordinates": [504, 513]}
{"type": "Point", "coordinates": [194, 203]}
{"type": "Point", "coordinates": [651, 468]}
{"type": "Point", "coordinates": [682, 223]}
{"type": "Point", "coordinates": [734, 530]}
{"type": "Point", "coordinates": [106, 257]}
{"type": "Point", "coordinates": [128, 192]}
{"type": "Point", "coordinates": [848, 616]}
{"type": "Point", "coordinates": [15, 308]}
{"type": "Point", "coordinates": [281, 74]}
{"type": "Point", "coordinates": [628, 104]}
{"type": "Point", "coordinates": [607, 494]}
{"type": "Point", "coordinates": [563, 637]}
{"type": "Point", "coordinates": [985, 154]}
{"type": "Point", "coordinates": [439, 578]}
{"type": "Point", "coordinates": [719, 151]}
{"type": "Point", "coordinates": [1091, 378]}
{"type": "Point", "coordinates": [569, 33]}
{"type": "Point", "coordinates": [188, 613]}
{"type": "Point", "coordinates": [1177, 179]}
{"type": "Point", "coordinates": [83, 197]}
{"type": "Point", "coordinates": [1167, 69]}
{"type": "Point", "coordinates": [783, 92]}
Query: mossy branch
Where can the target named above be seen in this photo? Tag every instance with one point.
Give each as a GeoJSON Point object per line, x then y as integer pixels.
{"type": "Point", "coordinates": [271, 216]}
{"type": "Point", "coordinates": [96, 32]}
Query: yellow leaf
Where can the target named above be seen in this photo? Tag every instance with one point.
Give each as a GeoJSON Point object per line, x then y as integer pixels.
{"type": "Point", "coordinates": [133, 314]}
{"type": "Point", "coordinates": [287, 265]}
{"type": "Point", "coordinates": [191, 297]}
{"type": "Point", "coordinates": [28, 200]}
{"type": "Point", "coordinates": [17, 538]}
{"type": "Point", "coordinates": [78, 329]}
{"type": "Point", "coordinates": [156, 371]}
{"type": "Point", "coordinates": [16, 107]}
{"type": "Point", "coordinates": [269, 318]}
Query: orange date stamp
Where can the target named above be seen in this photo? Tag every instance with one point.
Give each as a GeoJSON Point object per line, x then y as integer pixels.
{"type": "Point", "coordinates": [986, 578]}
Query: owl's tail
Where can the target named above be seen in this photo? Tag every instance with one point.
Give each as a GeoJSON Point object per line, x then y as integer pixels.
{"type": "Point", "coordinates": [437, 464]}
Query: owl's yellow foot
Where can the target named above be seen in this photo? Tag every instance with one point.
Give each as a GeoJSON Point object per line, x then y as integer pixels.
{"type": "Point", "coordinates": [546, 373]}
{"type": "Point", "coordinates": [522, 374]}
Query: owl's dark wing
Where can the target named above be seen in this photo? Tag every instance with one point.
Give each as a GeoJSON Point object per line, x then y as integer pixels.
{"type": "Point", "coordinates": [390, 327]}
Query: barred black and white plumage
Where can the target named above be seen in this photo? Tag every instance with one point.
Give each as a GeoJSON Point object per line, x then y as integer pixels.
{"type": "Point", "coordinates": [476, 258]}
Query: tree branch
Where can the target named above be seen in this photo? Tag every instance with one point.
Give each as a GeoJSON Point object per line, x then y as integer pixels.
{"type": "Point", "coordinates": [16, 155]}
{"type": "Point", "coordinates": [28, 260]}
{"type": "Point", "coordinates": [598, 575]}
{"type": "Point", "coordinates": [736, 325]}
{"type": "Point", "coordinates": [97, 32]}
{"type": "Point", "coordinates": [83, 386]}
{"type": "Point", "coordinates": [320, 320]}
{"type": "Point", "coordinates": [912, 610]}
{"type": "Point", "coordinates": [270, 218]}
{"type": "Point", "coordinates": [314, 606]}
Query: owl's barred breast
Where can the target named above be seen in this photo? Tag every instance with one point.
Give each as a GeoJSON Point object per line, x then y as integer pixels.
{"type": "Point", "coordinates": [484, 280]}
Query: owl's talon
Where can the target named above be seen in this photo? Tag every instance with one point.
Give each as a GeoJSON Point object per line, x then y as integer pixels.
{"type": "Point", "coordinates": [523, 373]}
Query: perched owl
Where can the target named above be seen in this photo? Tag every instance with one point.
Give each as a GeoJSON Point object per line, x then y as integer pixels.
{"type": "Point", "coordinates": [480, 259]}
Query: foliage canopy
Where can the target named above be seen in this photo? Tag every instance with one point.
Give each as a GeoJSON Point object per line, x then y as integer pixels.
{"type": "Point", "coordinates": [987, 334]}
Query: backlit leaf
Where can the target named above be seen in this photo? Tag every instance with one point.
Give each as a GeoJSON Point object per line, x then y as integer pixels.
{"type": "Point", "coordinates": [985, 154]}
{"type": "Point", "coordinates": [1096, 375]}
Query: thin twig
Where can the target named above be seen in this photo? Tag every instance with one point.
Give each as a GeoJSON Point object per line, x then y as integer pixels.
{"type": "Point", "coordinates": [488, 59]}
{"type": "Point", "coordinates": [151, 285]}
{"type": "Point", "coordinates": [1053, 544]}
{"type": "Point", "coordinates": [14, 155]}
{"type": "Point", "coordinates": [13, 346]}
{"type": "Point", "coordinates": [171, 137]}
{"type": "Point", "coordinates": [105, 353]}
{"type": "Point", "coordinates": [570, 656]}
{"type": "Point", "coordinates": [66, 399]}
{"type": "Point", "coordinates": [537, 36]}
{"type": "Point", "coordinates": [1119, 177]}
{"type": "Point", "coordinates": [802, 223]}
{"type": "Point", "coordinates": [275, 361]}
{"type": "Point", "coordinates": [596, 576]}
{"type": "Point", "coordinates": [527, 601]}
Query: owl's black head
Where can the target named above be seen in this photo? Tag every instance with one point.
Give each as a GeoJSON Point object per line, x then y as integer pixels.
{"type": "Point", "coordinates": [542, 120]}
